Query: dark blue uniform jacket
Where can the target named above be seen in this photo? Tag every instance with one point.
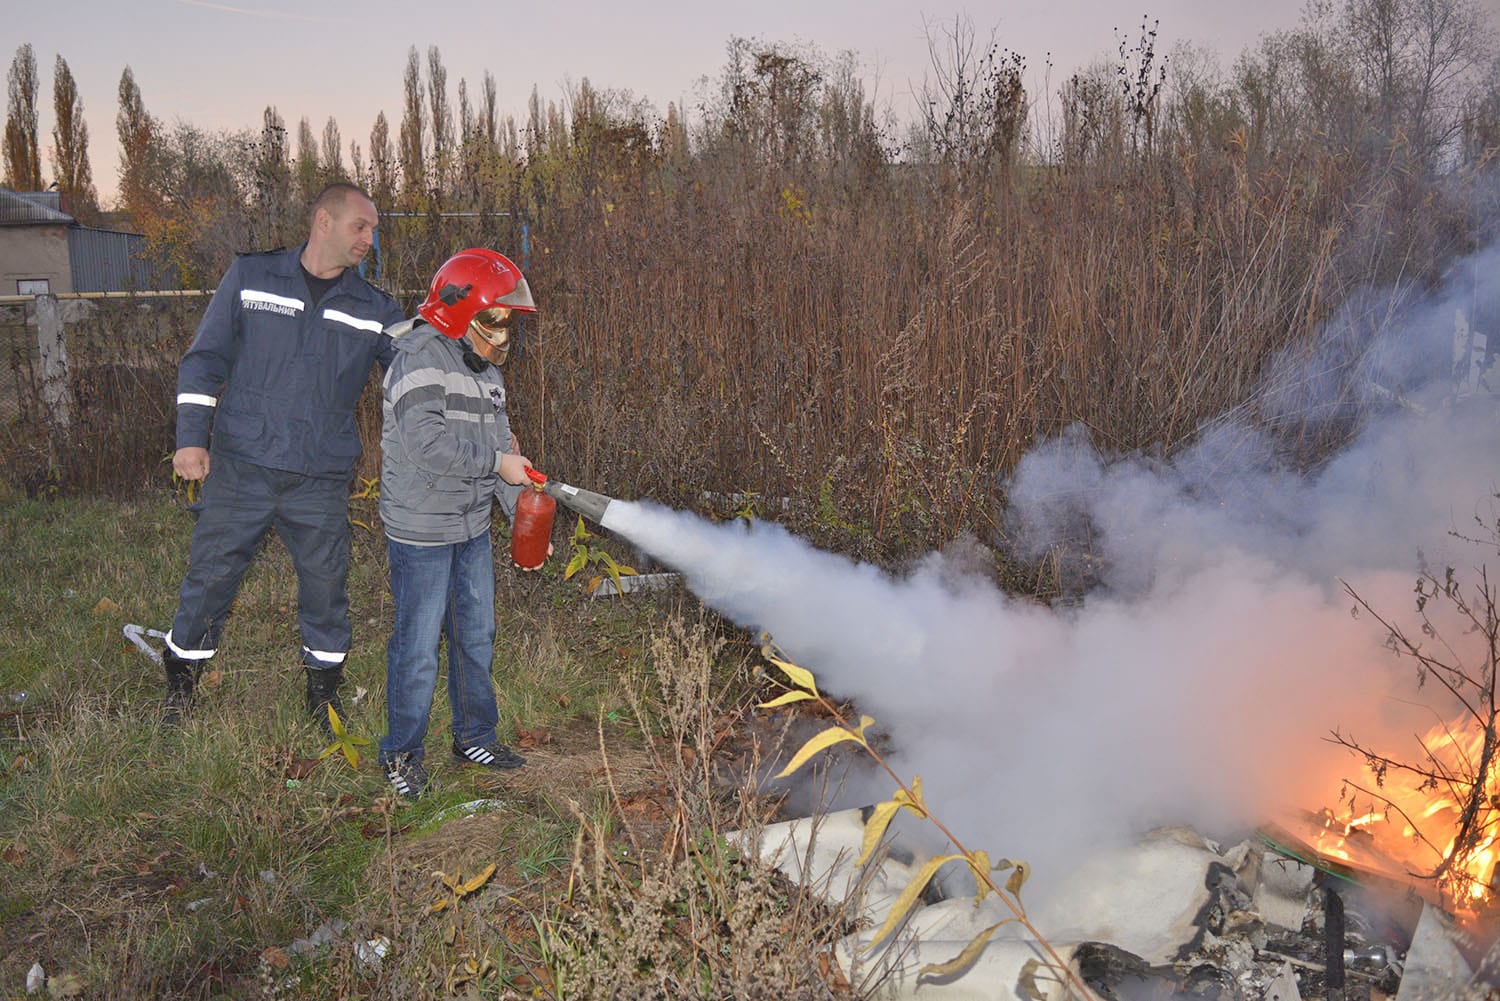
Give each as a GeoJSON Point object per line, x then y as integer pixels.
{"type": "Point", "coordinates": [273, 379]}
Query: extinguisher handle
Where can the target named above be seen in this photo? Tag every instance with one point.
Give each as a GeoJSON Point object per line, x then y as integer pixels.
{"type": "Point", "coordinates": [536, 475]}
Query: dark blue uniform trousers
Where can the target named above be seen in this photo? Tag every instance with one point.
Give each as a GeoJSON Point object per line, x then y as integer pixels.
{"type": "Point", "coordinates": [241, 502]}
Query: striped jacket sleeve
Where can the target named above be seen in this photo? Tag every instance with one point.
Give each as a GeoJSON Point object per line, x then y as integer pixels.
{"type": "Point", "coordinates": [424, 398]}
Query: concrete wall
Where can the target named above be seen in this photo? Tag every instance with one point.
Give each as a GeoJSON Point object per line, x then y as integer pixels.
{"type": "Point", "coordinates": [35, 252]}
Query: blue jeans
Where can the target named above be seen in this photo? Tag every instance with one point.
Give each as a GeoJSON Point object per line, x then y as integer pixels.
{"type": "Point", "coordinates": [440, 590]}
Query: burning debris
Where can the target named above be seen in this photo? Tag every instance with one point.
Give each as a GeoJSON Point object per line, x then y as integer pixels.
{"type": "Point", "coordinates": [1173, 916]}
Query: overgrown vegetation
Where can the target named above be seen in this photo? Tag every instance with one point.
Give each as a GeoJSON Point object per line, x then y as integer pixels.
{"type": "Point", "coordinates": [781, 291]}
{"type": "Point", "coordinates": [778, 296]}
{"type": "Point", "coordinates": [196, 862]}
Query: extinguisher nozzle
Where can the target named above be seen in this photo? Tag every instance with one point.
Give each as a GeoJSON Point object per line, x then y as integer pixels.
{"type": "Point", "coordinates": [584, 502]}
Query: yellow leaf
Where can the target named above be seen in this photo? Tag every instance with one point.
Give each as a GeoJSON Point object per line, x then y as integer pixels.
{"type": "Point", "coordinates": [578, 562]}
{"type": "Point", "coordinates": [801, 676]}
{"type": "Point", "coordinates": [438, 905]}
{"type": "Point", "coordinates": [979, 862]}
{"type": "Point", "coordinates": [964, 959]}
{"type": "Point", "coordinates": [786, 699]}
{"type": "Point", "coordinates": [1026, 980]}
{"type": "Point", "coordinates": [916, 804]}
{"type": "Point", "coordinates": [908, 898]}
{"type": "Point", "coordinates": [875, 828]}
{"type": "Point", "coordinates": [1018, 879]}
{"type": "Point", "coordinates": [833, 735]}
{"type": "Point", "coordinates": [884, 812]}
{"type": "Point", "coordinates": [477, 881]}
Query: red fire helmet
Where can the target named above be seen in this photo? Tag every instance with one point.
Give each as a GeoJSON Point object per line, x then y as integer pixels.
{"type": "Point", "coordinates": [471, 283]}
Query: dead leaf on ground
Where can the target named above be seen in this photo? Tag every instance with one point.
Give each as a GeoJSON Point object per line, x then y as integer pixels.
{"type": "Point", "coordinates": [832, 972]}
{"type": "Point", "coordinates": [564, 701]}
{"type": "Point", "coordinates": [301, 768]}
{"type": "Point", "coordinates": [14, 854]}
{"type": "Point", "coordinates": [107, 607]}
{"type": "Point", "coordinates": [642, 806]}
{"type": "Point", "coordinates": [65, 985]}
{"type": "Point", "coordinates": [67, 856]}
{"type": "Point", "coordinates": [276, 958]}
{"type": "Point", "coordinates": [213, 679]}
{"type": "Point", "coordinates": [528, 740]}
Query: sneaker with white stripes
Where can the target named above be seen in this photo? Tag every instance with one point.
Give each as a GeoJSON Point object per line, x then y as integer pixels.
{"type": "Point", "coordinates": [491, 755]}
{"type": "Point", "coordinates": [408, 776]}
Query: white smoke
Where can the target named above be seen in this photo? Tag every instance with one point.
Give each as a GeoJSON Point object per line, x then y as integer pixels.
{"type": "Point", "coordinates": [1198, 683]}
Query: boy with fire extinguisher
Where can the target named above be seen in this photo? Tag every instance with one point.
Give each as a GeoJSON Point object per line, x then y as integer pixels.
{"type": "Point", "coordinates": [448, 456]}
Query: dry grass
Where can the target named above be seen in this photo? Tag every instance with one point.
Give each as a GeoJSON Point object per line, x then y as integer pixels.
{"type": "Point", "coordinates": [194, 862]}
{"type": "Point", "coordinates": [660, 905]}
{"type": "Point", "coordinates": [879, 349]}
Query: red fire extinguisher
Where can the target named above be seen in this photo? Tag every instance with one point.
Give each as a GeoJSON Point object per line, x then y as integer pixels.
{"type": "Point", "coordinates": [531, 528]}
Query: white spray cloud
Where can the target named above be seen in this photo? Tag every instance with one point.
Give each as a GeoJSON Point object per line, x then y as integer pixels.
{"type": "Point", "coordinates": [1199, 682]}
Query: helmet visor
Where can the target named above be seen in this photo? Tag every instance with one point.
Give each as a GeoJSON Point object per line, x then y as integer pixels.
{"type": "Point", "coordinates": [494, 325]}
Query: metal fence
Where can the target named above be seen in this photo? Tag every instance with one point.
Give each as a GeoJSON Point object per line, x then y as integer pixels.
{"type": "Point", "coordinates": [87, 395]}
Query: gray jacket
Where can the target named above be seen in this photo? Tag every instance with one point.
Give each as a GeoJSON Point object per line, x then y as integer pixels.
{"type": "Point", "coordinates": [443, 429]}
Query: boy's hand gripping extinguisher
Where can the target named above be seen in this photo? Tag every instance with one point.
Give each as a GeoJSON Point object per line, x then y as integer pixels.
{"type": "Point", "coordinates": [531, 528]}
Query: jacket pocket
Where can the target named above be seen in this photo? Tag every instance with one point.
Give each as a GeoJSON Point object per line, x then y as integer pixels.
{"type": "Point", "coordinates": [239, 430]}
{"type": "Point", "coordinates": [337, 436]}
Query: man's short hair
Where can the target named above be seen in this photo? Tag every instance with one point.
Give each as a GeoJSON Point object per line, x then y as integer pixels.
{"type": "Point", "coordinates": [333, 196]}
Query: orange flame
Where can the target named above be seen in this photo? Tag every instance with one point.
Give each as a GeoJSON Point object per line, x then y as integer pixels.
{"type": "Point", "coordinates": [1411, 819]}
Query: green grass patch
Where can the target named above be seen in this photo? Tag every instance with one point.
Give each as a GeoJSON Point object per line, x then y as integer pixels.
{"type": "Point", "coordinates": [194, 861]}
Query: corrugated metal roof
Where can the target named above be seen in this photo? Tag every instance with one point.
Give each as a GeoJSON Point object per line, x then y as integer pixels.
{"type": "Point", "coordinates": [105, 261]}
{"type": "Point", "coordinates": [31, 208]}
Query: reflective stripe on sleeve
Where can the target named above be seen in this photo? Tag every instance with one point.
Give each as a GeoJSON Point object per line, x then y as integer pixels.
{"type": "Point", "coordinates": [198, 398]}
{"type": "Point", "coordinates": [325, 656]}
{"type": "Point", "coordinates": [341, 317]}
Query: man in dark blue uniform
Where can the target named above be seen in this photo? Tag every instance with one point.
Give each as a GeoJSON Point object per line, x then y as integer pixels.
{"type": "Point", "coordinates": [265, 418]}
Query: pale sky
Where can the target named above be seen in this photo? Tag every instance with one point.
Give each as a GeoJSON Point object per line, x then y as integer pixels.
{"type": "Point", "coordinates": [218, 65]}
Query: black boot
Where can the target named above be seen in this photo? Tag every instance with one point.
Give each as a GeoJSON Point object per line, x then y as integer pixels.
{"type": "Point", "coordinates": [182, 677]}
{"type": "Point", "coordinates": [322, 692]}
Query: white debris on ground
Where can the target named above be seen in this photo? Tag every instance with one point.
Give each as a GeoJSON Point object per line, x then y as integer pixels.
{"type": "Point", "coordinates": [1173, 915]}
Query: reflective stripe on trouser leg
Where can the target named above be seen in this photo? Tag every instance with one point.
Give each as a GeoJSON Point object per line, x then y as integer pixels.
{"type": "Point", "coordinates": [234, 514]}
{"type": "Point", "coordinates": [313, 521]}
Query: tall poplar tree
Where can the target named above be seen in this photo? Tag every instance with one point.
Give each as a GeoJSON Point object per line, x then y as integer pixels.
{"type": "Point", "coordinates": [382, 163]}
{"type": "Point", "coordinates": [139, 154]}
{"type": "Point", "coordinates": [412, 144]}
{"type": "Point", "coordinates": [23, 165]}
{"type": "Point", "coordinates": [70, 146]}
